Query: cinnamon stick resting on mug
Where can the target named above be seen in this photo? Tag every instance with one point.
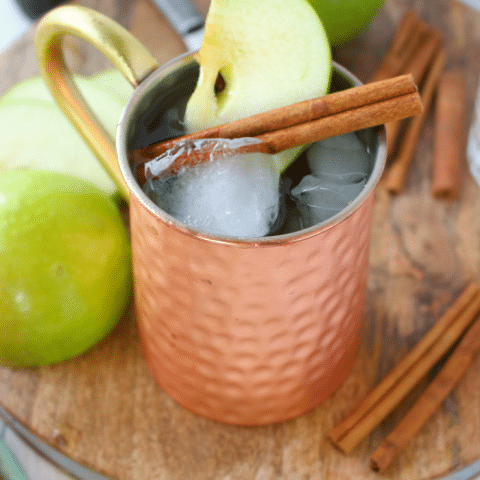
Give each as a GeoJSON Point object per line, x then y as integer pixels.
{"type": "Point", "coordinates": [302, 123]}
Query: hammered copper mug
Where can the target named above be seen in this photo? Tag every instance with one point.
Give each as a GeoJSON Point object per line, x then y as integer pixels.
{"type": "Point", "coordinates": [244, 331]}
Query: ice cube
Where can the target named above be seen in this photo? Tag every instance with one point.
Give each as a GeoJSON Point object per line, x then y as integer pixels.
{"type": "Point", "coordinates": [344, 154]}
{"type": "Point", "coordinates": [317, 201]}
{"type": "Point", "coordinates": [340, 167]}
{"type": "Point", "coordinates": [235, 195]}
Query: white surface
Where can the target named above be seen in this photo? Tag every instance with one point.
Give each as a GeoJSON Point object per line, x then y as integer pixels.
{"type": "Point", "coordinates": [34, 466]}
{"type": "Point", "coordinates": [473, 144]}
{"type": "Point", "coordinates": [13, 23]}
{"type": "Point", "coordinates": [472, 3]}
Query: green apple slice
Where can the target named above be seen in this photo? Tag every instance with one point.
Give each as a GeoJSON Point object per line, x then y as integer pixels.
{"type": "Point", "coordinates": [114, 83]}
{"type": "Point", "coordinates": [39, 136]}
{"type": "Point", "coordinates": [35, 133]}
{"type": "Point", "coordinates": [270, 53]}
{"type": "Point", "coordinates": [97, 93]}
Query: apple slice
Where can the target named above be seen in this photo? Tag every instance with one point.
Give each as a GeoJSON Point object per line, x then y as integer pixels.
{"type": "Point", "coordinates": [269, 53]}
{"type": "Point", "coordinates": [114, 83]}
{"type": "Point", "coordinates": [35, 134]}
{"type": "Point", "coordinates": [39, 136]}
{"type": "Point", "coordinates": [95, 91]}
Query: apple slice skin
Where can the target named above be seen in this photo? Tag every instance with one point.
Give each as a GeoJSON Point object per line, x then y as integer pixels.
{"type": "Point", "coordinates": [65, 275]}
{"type": "Point", "coordinates": [270, 53]}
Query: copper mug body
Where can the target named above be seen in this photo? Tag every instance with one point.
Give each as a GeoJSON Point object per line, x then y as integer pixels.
{"type": "Point", "coordinates": [244, 331]}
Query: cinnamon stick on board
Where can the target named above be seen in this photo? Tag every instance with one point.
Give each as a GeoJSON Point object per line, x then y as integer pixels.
{"type": "Point", "coordinates": [397, 174]}
{"type": "Point", "coordinates": [450, 118]}
{"type": "Point", "coordinates": [341, 112]}
{"type": "Point", "coordinates": [417, 67]}
{"type": "Point", "coordinates": [455, 367]}
{"type": "Point", "coordinates": [407, 37]}
{"type": "Point", "coordinates": [408, 372]}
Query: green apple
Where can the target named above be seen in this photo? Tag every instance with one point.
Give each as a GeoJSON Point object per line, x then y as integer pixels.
{"type": "Point", "coordinates": [36, 134]}
{"type": "Point", "coordinates": [345, 19]}
{"type": "Point", "coordinates": [65, 266]}
{"type": "Point", "coordinates": [270, 53]}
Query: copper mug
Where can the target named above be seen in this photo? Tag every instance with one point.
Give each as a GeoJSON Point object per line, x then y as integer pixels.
{"type": "Point", "coordinates": [241, 331]}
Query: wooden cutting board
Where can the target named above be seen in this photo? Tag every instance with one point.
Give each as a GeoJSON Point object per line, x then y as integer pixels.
{"type": "Point", "coordinates": [104, 410]}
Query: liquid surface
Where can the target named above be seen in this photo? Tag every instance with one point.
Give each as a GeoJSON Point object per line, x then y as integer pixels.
{"type": "Point", "coordinates": [244, 197]}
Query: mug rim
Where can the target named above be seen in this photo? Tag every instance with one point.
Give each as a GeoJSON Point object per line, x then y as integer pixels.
{"type": "Point", "coordinates": [121, 145]}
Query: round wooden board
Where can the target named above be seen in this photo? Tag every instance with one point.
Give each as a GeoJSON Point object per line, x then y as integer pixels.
{"type": "Point", "coordinates": [105, 411]}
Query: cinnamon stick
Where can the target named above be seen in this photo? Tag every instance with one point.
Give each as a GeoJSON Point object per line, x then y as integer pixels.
{"type": "Point", "coordinates": [292, 114]}
{"type": "Point", "coordinates": [345, 119]}
{"type": "Point", "coordinates": [418, 64]}
{"type": "Point", "coordinates": [396, 176]}
{"type": "Point", "coordinates": [453, 370]}
{"type": "Point", "coordinates": [302, 134]}
{"type": "Point", "coordinates": [343, 122]}
{"type": "Point", "coordinates": [430, 40]}
{"type": "Point", "coordinates": [450, 117]}
{"type": "Point", "coordinates": [396, 385]}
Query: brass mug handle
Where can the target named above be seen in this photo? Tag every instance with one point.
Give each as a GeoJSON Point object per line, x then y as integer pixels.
{"type": "Point", "coordinates": [125, 52]}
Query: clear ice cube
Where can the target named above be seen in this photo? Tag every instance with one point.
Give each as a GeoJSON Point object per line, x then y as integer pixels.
{"type": "Point", "coordinates": [340, 167]}
{"type": "Point", "coordinates": [344, 154]}
{"type": "Point", "coordinates": [235, 195]}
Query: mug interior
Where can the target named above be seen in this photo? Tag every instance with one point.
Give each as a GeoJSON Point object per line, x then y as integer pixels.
{"type": "Point", "coordinates": [171, 85]}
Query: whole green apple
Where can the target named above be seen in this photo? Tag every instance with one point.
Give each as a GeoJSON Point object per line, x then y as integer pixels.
{"type": "Point", "coordinates": [345, 19]}
{"type": "Point", "coordinates": [65, 266]}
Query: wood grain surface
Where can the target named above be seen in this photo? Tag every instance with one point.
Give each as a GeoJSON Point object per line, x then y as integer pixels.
{"type": "Point", "coordinates": [104, 410]}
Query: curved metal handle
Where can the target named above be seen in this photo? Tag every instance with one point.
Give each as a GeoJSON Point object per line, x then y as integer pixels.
{"type": "Point", "coordinates": [125, 52]}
